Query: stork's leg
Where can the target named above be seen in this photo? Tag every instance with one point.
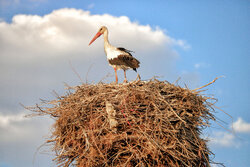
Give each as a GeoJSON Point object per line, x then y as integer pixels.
{"type": "Point", "coordinates": [138, 77]}
{"type": "Point", "coordinates": [116, 78]}
{"type": "Point", "coordinates": [125, 78]}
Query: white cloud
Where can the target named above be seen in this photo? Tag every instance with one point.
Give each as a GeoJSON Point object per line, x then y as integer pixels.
{"type": "Point", "coordinates": [223, 139]}
{"type": "Point", "coordinates": [230, 139]}
{"type": "Point", "coordinates": [70, 30]}
{"type": "Point", "coordinates": [90, 6]}
{"type": "Point", "coordinates": [182, 43]}
{"type": "Point", "coordinates": [67, 32]}
{"type": "Point", "coordinates": [197, 65]}
{"type": "Point", "coordinates": [201, 65]}
{"type": "Point", "coordinates": [241, 126]}
{"type": "Point", "coordinates": [15, 126]}
{"type": "Point", "coordinates": [6, 120]}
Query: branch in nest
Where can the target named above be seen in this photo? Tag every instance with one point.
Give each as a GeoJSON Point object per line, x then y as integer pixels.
{"type": "Point", "coordinates": [208, 83]}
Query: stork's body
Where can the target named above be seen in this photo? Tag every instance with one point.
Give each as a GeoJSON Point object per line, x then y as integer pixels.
{"type": "Point", "coordinates": [118, 58]}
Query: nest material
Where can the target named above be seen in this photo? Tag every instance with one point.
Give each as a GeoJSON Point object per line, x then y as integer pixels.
{"type": "Point", "coordinates": [151, 123]}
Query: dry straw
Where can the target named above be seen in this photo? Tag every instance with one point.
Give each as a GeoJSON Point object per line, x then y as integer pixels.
{"type": "Point", "coordinates": [146, 123]}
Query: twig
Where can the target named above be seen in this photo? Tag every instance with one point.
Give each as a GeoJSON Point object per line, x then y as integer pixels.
{"type": "Point", "coordinates": [208, 83]}
{"type": "Point", "coordinates": [75, 71]}
{"type": "Point", "coordinates": [87, 74]}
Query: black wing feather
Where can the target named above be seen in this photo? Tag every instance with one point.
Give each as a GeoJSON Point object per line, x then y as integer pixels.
{"type": "Point", "coordinates": [125, 50]}
{"type": "Point", "coordinates": [126, 60]}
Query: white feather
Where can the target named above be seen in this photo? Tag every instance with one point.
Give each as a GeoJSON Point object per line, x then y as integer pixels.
{"type": "Point", "coordinates": [112, 52]}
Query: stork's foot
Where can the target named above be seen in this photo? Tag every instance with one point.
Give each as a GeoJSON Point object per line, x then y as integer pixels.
{"type": "Point", "coordinates": [125, 81]}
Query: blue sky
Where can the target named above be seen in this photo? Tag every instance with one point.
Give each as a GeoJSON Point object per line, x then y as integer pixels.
{"type": "Point", "coordinates": [203, 40]}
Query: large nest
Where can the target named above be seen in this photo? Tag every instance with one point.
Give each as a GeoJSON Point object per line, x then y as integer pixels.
{"type": "Point", "coordinates": [152, 123]}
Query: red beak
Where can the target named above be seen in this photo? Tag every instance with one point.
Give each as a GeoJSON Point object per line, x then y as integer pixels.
{"type": "Point", "coordinates": [96, 36]}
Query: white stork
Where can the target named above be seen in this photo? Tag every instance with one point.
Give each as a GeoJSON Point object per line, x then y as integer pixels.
{"type": "Point", "coordinates": [118, 58]}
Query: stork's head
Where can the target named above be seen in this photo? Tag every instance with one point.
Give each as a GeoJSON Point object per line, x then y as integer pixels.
{"type": "Point", "coordinates": [98, 34]}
